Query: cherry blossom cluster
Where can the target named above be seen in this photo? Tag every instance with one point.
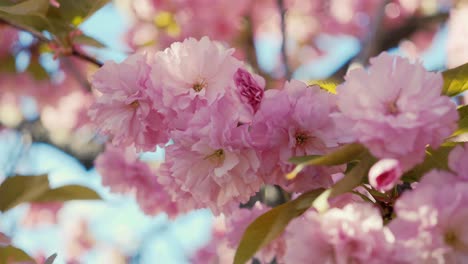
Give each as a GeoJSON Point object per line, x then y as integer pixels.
{"type": "Point", "coordinates": [226, 135]}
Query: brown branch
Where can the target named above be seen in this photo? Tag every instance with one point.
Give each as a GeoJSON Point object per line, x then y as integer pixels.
{"type": "Point", "coordinates": [74, 51]}
{"type": "Point", "coordinates": [371, 44]}
{"type": "Point", "coordinates": [284, 55]}
{"type": "Point", "coordinates": [35, 130]}
{"type": "Point", "coordinates": [391, 38]}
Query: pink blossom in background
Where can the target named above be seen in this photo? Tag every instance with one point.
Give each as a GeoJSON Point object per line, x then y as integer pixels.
{"type": "Point", "coordinates": [80, 240]}
{"type": "Point", "coordinates": [124, 173]}
{"type": "Point", "coordinates": [238, 222]}
{"type": "Point", "coordinates": [8, 36]}
{"type": "Point", "coordinates": [42, 213]}
{"type": "Point", "coordinates": [385, 174]}
{"type": "Point", "coordinates": [353, 234]}
{"type": "Point", "coordinates": [4, 240]}
{"type": "Point", "coordinates": [457, 41]}
{"type": "Point", "coordinates": [430, 226]}
{"type": "Point", "coordinates": [292, 122]}
{"type": "Point", "coordinates": [395, 109]}
{"type": "Point", "coordinates": [183, 19]}
{"type": "Point", "coordinates": [210, 165]}
{"type": "Point", "coordinates": [124, 111]}
{"type": "Point", "coordinates": [190, 75]}
{"type": "Point", "coordinates": [216, 251]}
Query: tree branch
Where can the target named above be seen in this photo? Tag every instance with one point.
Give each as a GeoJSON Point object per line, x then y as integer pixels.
{"type": "Point", "coordinates": [391, 38]}
{"type": "Point", "coordinates": [35, 130]}
{"type": "Point", "coordinates": [284, 55]}
{"type": "Point", "coordinates": [74, 51]}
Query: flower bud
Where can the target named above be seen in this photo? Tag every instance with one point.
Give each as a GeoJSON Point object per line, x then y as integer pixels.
{"type": "Point", "coordinates": [385, 174]}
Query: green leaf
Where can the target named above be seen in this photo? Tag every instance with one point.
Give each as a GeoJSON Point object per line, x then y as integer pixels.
{"type": "Point", "coordinates": [88, 41]}
{"type": "Point", "coordinates": [37, 71]}
{"type": "Point", "coordinates": [20, 189]}
{"type": "Point", "coordinates": [68, 193]}
{"type": "Point", "coordinates": [51, 259]}
{"type": "Point", "coordinates": [10, 254]}
{"type": "Point", "coordinates": [8, 65]}
{"type": "Point", "coordinates": [270, 225]}
{"type": "Point", "coordinates": [33, 23]}
{"type": "Point", "coordinates": [462, 123]}
{"type": "Point", "coordinates": [327, 85]}
{"type": "Point", "coordinates": [455, 80]}
{"type": "Point", "coordinates": [351, 180]}
{"type": "Point", "coordinates": [342, 155]}
{"type": "Point", "coordinates": [435, 159]}
{"type": "Point", "coordinates": [26, 7]}
{"type": "Point", "coordinates": [75, 12]}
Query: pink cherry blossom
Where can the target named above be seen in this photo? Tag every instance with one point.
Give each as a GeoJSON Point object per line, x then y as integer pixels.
{"type": "Point", "coordinates": [457, 54]}
{"type": "Point", "coordinates": [124, 173]}
{"type": "Point", "coordinates": [216, 251]}
{"type": "Point", "coordinates": [250, 90]}
{"type": "Point", "coordinates": [395, 109]}
{"type": "Point", "coordinates": [458, 161]}
{"type": "Point", "coordinates": [42, 213]}
{"type": "Point", "coordinates": [430, 226]}
{"type": "Point", "coordinates": [210, 165]}
{"type": "Point", "coordinates": [190, 75]}
{"type": "Point", "coordinates": [124, 111]}
{"type": "Point", "coordinates": [294, 122]}
{"type": "Point", "coordinates": [4, 240]}
{"type": "Point", "coordinates": [385, 174]}
{"type": "Point", "coordinates": [353, 234]}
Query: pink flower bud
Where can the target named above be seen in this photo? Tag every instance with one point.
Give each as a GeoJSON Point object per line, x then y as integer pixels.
{"type": "Point", "coordinates": [385, 174]}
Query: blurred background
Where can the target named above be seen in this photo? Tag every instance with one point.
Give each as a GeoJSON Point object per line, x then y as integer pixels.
{"type": "Point", "coordinates": [43, 100]}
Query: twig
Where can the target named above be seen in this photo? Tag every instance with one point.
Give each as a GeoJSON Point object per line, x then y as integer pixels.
{"type": "Point", "coordinates": [85, 154]}
{"type": "Point", "coordinates": [86, 57]}
{"type": "Point", "coordinates": [391, 38]}
{"type": "Point", "coordinates": [284, 54]}
{"type": "Point", "coordinates": [371, 43]}
{"type": "Point", "coordinates": [74, 52]}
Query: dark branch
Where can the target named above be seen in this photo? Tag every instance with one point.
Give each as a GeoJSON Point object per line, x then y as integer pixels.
{"type": "Point", "coordinates": [74, 51]}
{"type": "Point", "coordinates": [284, 55]}
{"type": "Point", "coordinates": [85, 153]}
{"type": "Point", "coordinates": [86, 57]}
{"type": "Point", "coordinates": [391, 38]}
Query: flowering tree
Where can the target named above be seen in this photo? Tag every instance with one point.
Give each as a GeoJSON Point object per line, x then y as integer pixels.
{"type": "Point", "coordinates": [369, 164]}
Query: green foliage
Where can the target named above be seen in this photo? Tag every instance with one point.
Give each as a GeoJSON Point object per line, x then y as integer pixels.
{"type": "Point", "coordinates": [355, 177]}
{"type": "Point", "coordinates": [37, 16]}
{"type": "Point", "coordinates": [462, 123]}
{"type": "Point", "coordinates": [342, 155]}
{"type": "Point", "coordinates": [88, 41]}
{"type": "Point", "coordinates": [20, 189]}
{"type": "Point", "coordinates": [455, 80]}
{"type": "Point", "coordinates": [37, 71]}
{"type": "Point", "coordinates": [23, 189]}
{"type": "Point", "coordinates": [67, 193]}
{"type": "Point", "coordinates": [26, 7]}
{"type": "Point", "coordinates": [74, 12]}
{"type": "Point", "coordinates": [10, 254]}
{"type": "Point", "coordinates": [270, 225]}
{"type": "Point", "coordinates": [435, 159]}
